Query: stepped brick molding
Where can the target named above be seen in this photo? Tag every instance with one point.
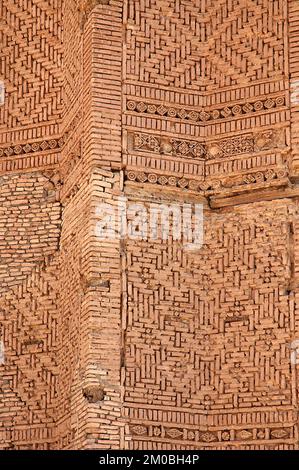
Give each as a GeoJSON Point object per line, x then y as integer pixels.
{"type": "Point", "coordinates": [144, 343]}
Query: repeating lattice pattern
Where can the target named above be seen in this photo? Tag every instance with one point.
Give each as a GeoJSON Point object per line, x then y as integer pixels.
{"type": "Point", "coordinates": [142, 344]}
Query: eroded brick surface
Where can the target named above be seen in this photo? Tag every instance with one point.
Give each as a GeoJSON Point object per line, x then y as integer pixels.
{"type": "Point", "coordinates": [143, 344]}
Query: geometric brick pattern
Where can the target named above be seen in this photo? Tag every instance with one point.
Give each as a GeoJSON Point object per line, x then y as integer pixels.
{"type": "Point", "coordinates": [207, 115]}
{"type": "Point", "coordinates": [195, 72]}
{"type": "Point", "coordinates": [28, 315]}
{"type": "Point", "coordinates": [211, 332]}
{"type": "Point", "coordinates": [31, 59]}
{"type": "Point", "coordinates": [29, 224]}
{"type": "Point", "coordinates": [142, 344]}
{"type": "Point", "coordinates": [194, 46]}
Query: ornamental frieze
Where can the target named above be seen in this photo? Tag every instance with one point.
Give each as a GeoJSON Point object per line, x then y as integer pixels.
{"type": "Point", "coordinates": [254, 178]}
{"type": "Point", "coordinates": [206, 115]}
{"type": "Point", "coordinates": [218, 149]}
{"type": "Point", "coordinates": [24, 149]}
{"type": "Point", "coordinates": [186, 434]}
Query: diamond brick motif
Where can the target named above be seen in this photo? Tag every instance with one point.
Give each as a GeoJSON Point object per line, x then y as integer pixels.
{"type": "Point", "coordinates": [183, 148]}
{"type": "Point", "coordinates": [161, 110]}
{"type": "Point", "coordinates": [44, 145]}
{"type": "Point", "coordinates": [204, 116]}
{"type": "Point", "coordinates": [27, 148]}
{"type": "Point", "coordinates": [226, 112]}
{"type": "Point", "coordinates": [141, 107]}
{"type": "Point", "coordinates": [269, 104]}
{"type": "Point", "coordinates": [149, 344]}
{"type": "Point", "coordinates": [247, 108]}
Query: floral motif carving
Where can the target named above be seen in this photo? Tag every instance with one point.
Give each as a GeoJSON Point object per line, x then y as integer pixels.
{"type": "Point", "coordinates": [174, 433]}
{"type": "Point", "coordinates": [224, 148]}
{"type": "Point", "coordinates": [244, 435]}
{"type": "Point", "coordinates": [209, 436]}
{"type": "Point", "coordinates": [279, 434]}
{"type": "Point", "coordinates": [139, 430]}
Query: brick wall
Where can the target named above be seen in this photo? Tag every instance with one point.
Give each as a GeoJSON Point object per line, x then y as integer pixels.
{"type": "Point", "coordinates": [207, 357]}
{"type": "Point", "coordinates": [138, 344]}
{"type": "Point", "coordinates": [30, 230]}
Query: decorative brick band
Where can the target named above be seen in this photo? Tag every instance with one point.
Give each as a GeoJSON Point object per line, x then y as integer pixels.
{"type": "Point", "coordinates": [237, 145]}
{"type": "Point", "coordinates": [187, 434]}
{"type": "Point", "coordinates": [41, 146]}
{"type": "Point", "coordinates": [29, 163]}
{"type": "Point", "coordinates": [209, 114]}
{"type": "Point", "coordinates": [259, 177]}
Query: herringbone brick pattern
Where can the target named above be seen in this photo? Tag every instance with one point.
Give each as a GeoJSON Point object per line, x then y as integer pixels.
{"type": "Point", "coordinates": [28, 378]}
{"type": "Point", "coordinates": [31, 60]}
{"type": "Point", "coordinates": [199, 45]}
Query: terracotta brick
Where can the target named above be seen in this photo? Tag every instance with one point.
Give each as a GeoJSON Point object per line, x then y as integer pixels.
{"type": "Point", "coordinates": [142, 344]}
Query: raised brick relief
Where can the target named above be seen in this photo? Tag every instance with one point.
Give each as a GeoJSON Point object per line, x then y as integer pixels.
{"type": "Point", "coordinates": [130, 344]}
{"type": "Point", "coordinates": [208, 331]}
{"type": "Point", "coordinates": [28, 316]}
{"type": "Point", "coordinates": [31, 45]}
{"type": "Point", "coordinates": [195, 46]}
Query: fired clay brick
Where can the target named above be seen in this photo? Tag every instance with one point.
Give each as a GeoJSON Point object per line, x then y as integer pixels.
{"type": "Point", "coordinates": [140, 344]}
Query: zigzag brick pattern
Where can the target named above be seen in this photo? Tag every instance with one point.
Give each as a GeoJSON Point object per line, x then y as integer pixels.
{"type": "Point", "coordinates": [29, 375]}
{"type": "Point", "coordinates": [195, 46]}
{"type": "Point", "coordinates": [144, 344]}
{"type": "Point", "coordinates": [31, 45]}
{"type": "Point", "coordinates": [213, 336]}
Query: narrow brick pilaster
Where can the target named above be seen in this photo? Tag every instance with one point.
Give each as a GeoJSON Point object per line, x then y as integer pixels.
{"type": "Point", "coordinates": [294, 82]}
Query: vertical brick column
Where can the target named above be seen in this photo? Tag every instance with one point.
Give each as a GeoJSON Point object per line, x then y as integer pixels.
{"type": "Point", "coordinates": [89, 396]}
{"type": "Point", "coordinates": [293, 15]}
{"type": "Point", "coordinates": [102, 85]}
{"type": "Point", "coordinates": [101, 306]}
{"type": "Point", "coordinates": [294, 81]}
